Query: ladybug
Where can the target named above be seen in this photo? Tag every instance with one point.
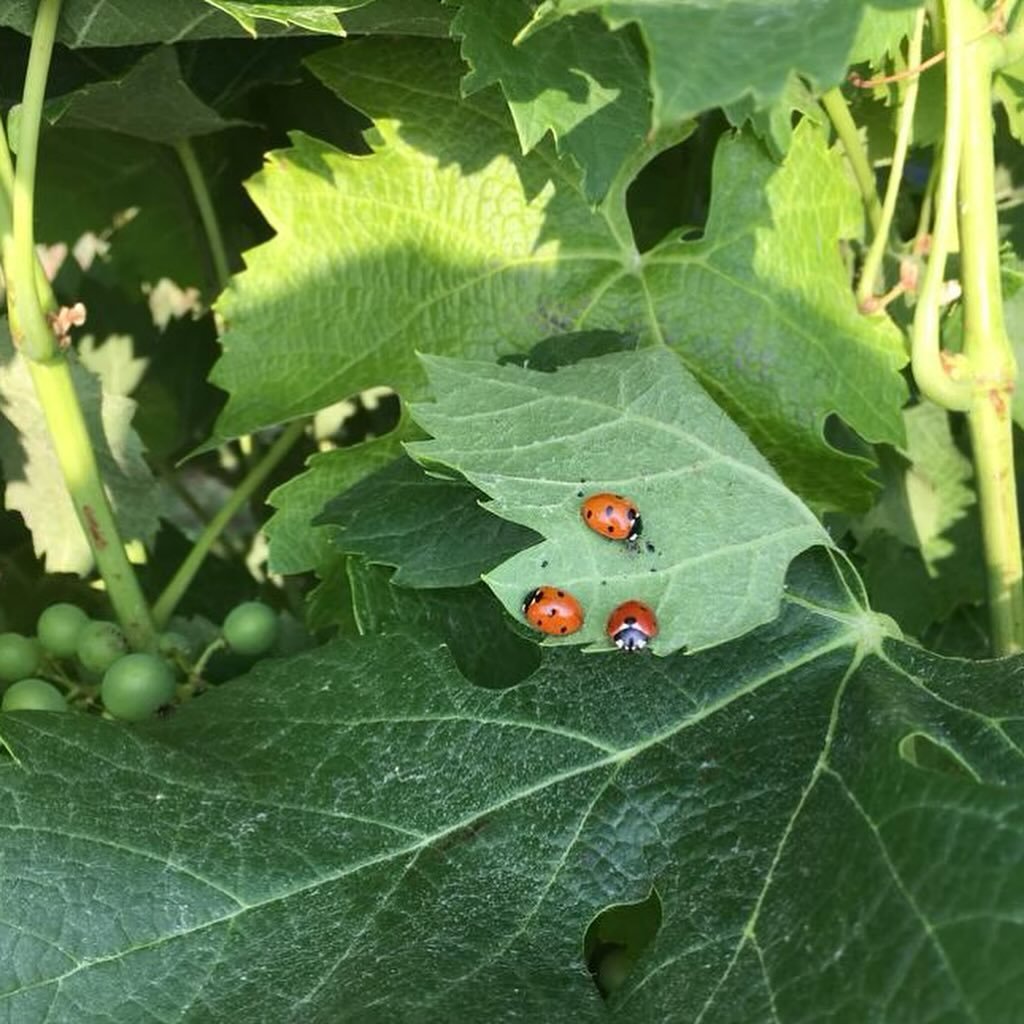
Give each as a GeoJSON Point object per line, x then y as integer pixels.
{"type": "Point", "coordinates": [631, 625]}
{"type": "Point", "coordinates": [553, 611]}
{"type": "Point", "coordinates": [612, 516]}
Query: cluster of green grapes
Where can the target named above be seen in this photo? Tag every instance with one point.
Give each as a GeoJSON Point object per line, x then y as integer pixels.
{"type": "Point", "coordinates": [75, 661]}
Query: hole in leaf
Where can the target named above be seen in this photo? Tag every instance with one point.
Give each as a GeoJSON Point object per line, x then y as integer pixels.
{"type": "Point", "coordinates": [615, 939]}
{"type": "Point", "coordinates": [930, 755]}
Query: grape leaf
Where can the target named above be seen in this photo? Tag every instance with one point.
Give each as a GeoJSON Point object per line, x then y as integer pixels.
{"type": "Point", "coordinates": [881, 34]}
{"type": "Point", "coordinates": [468, 620]}
{"type": "Point", "coordinates": [151, 101]}
{"type": "Point", "coordinates": [634, 424]}
{"type": "Point", "coordinates": [432, 529]}
{"type": "Point", "coordinates": [711, 55]}
{"type": "Point", "coordinates": [112, 23]}
{"type": "Point", "coordinates": [358, 833]}
{"type": "Point", "coordinates": [125, 190]}
{"type": "Point", "coordinates": [314, 17]}
{"type": "Point", "coordinates": [296, 543]}
{"type": "Point", "coordinates": [584, 84]}
{"type": "Point", "coordinates": [927, 486]}
{"type": "Point", "coordinates": [475, 250]}
{"type": "Point", "coordinates": [35, 483]}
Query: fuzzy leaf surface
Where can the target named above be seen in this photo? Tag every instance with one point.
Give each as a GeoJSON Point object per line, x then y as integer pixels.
{"type": "Point", "coordinates": [357, 831]}
{"type": "Point", "coordinates": [719, 526]}
{"type": "Point", "coordinates": [477, 251]}
{"type": "Point", "coordinates": [431, 529]}
{"type": "Point", "coordinates": [710, 55]}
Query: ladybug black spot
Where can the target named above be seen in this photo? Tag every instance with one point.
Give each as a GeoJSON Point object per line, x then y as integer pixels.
{"type": "Point", "coordinates": [610, 529]}
{"type": "Point", "coordinates": [552, 612]}
{"type": "Point", "coordinates": [561, 593]}
{"type": "Point", "coordinates": [563, 629]}
{"type": "Point", "coordinates": [631, 514]}
{"type": "Point", "coordinates": [590, 515]}
{"type": "Point", "coordinates": [608, 510]}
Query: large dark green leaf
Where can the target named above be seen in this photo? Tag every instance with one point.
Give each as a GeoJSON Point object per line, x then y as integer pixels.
{"type": "Point", "coordinates": [358, 834]}
{"type": "Point", "coordinates": [448, 240]}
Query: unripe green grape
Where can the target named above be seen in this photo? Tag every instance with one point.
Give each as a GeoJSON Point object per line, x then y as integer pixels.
{"type": "Point", "coordinates": [19, 657]}
{"type": "Point", "coordinates": [59, 629]}
{"type": "Point", "coordinates": [32, 695]}
{"type": "Point", "coordinates": [136, 685]}
{"type": "Point", "coordinates": [250, 628]}
{"type": "Point", "coordinates": [174, 645]}
{"type": "Point", "coordinates": [100, 645]}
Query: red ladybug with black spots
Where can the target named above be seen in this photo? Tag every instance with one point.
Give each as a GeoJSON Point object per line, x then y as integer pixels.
{"type": "Point", "coordinates": [631, 625]}
{"type": "Point", "coordinates": [553, 611]}
{"type": "Point", "coordinates": [612, 515]}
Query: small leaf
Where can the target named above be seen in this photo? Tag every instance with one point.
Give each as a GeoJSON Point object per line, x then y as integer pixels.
{"type": "Point", "coordinates": [719, 527]}
{"type": "Point", "coordinates": [432, 529]}
{"type": "Point", "coordinates": [152, 101]}
{"type": "Point", "coordinates": [35, 483]}
{"type": "Point", "coordinates": [312, 16]}
{"type": "Point", "coordinates": [296, 543]}
{"type": "Point", "coordinates": [468, 620]}
{"type": "Point", "coordinates": [583, 83]}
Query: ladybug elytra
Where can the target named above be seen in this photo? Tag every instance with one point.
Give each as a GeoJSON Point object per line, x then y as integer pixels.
{"type": "Point", "coordinates": [553, 611]}
{"type": "Point", "coordinates": [612, 516]}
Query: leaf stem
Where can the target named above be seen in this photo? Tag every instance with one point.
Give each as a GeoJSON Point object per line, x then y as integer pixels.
{"type": "Point", "coordinates": [986, 346]}
{"type": "Point", "coordinates": [945, 380]}
{"type": "Point", "coordinates": [207, 214]}
{"type": "Point", "coordinates": [30, 330]}
{"type": "Point", "coordinates": [842, 120]}
{"type": "Point", "coordinates": [179, 583]}
{"type": "Point", "coordinates": [873, 260]}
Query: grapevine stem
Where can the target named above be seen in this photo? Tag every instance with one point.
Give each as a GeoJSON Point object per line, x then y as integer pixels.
{"type": "Point", "coordinates": [873, 260]}
{"type": "Point", "coordinates": [947, 382]}
{"type": "Point", "coordinates": [29, 329]}
{"type": "Point", "coordinates": [842, 120]}
{"type": "Point", "coordinates": [180, 581]}
{"type": "Point", "coordinates": [987, 347]}
{"type": "Point", "coordinates": [207, 214]}
{"type": "Point", "coordinates": [28, 294]}
{"type": "Point", "coordinates": [71, 442]}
